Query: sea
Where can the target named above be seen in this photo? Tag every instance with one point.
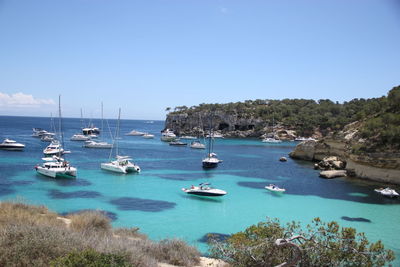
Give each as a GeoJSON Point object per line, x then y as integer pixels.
{"type": "Point", "coordinates": [153, 200]}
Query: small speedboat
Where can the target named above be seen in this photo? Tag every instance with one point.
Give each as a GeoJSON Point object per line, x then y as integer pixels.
{"type": "Point", "coordinates": [9, 144]}
{"type": "Point", "coordinates": [148, 136]}
{"type": "Point", "coordinates": [135, 133]}
{"type": "Point", "coordinates": [204, 189]}
{"type": "Point", "coordinates": [275, 188]}
{"type": "Point", "coordinates": [197, 145]}
{"type": "Point", "coordinates": [271, 140]}
{"type": "Point", "coordinates": [177, 143]}
{"type": "Point", "coordinates": [97, 144]}
{"type": "Point", "coordinates": [80, 137]}
{"type": "Point", "coordinates": [387, 192]}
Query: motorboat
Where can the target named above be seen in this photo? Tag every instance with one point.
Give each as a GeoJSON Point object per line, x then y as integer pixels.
{"type": "Point", "coordinates": [9, 144]}
{"type": "Point", "coordinates": [177, 143]}
{"type": "Point", "coordinates": [211, 161]}
{"type": "Point", "coordinates": [54, 148]}
{"type": "Point", "coordinates": [187, 137]}
{"type": "Point", "coordinates": [275, 188]}
{"type": "Point", "coordinates": [135, 133]}
{"type": "Point", "coordinates": [387, 192]}
{"type": "Point", "coordinates": [283, 159]}
{"type": "Point", "coordinates": [122, 164]}
{"type": "Point", "coordinates": [168, 136]}
{"type": "Point", "coordinates": [47, 138]}
{"type": "Point", "coordinates": [80, 137]}
{"type": "Point", "coordinates": [271, 140]}
{"type": "Point", "coordinates": [204, 189]}
{"type": "Point", "coordinates": [197, 145]}
{"type": "Point", "coordinates": [39, 132]}
{"type": "Point", "coordinates": [301, 139]}
{"type": "Point", "coordinates": [90, 130]}
{"type": "Point", "coordinates": [56, 167]}
{"type": "Point", "coordinates": [215, 135]}
{"type": "Point", "coordinates": [148, 136]}
{"type": "Point", "coordinates": [97, 144]}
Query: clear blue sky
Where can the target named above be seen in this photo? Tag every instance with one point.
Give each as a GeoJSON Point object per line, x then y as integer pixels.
{"type": "Point", "coordinates": [144, 56]}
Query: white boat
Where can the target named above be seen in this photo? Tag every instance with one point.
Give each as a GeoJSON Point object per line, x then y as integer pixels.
{"type": "Point", "coordinates": [148, 136]}
{"type": "Point", "coordinates": [215, 135]}
{"type": "Point", "coordinates": [275, 188]}
{"type": "Point", "coordinates": [121, 164]}
{"type": "Point", "coordinates": [90, 130]}
{"type": "Point", "coordinates": [271, 140]}
{"type": "Point", "coordinates": [204, 190]}
{"type": "Point", "coordinates": [39, 132]}
{"type": "Point", "coordinates": [80, 137]}
{"type": "Point", "coordinates": [301, 139]}
{"type": "Point", "coordinates": [9, 144]}
{"type": "Point", "coordinates": [387, 192]}
{"type": "Point", "coordinates": [97, 144]}
{"type": "Point", "coordinates": [211, 160]}
{"type": "Point", "coordinates": [197, 145]}
{"type": "Point", "coordinates": [56, 167]}
{"type": "Point", "coordinates": [47, 138]}
{"type": "Point", "coordinates": [168, 136]}
{"type": "Point", "coordinates": [54, 148]}
{"type": "Point", "coordinates": [135, 133]}
{"type": "Point", "coordinates": [187, 137]}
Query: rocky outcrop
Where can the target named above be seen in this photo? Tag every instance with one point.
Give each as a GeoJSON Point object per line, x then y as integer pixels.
{"type": "Point", "coordinates": [383, 167]}
{"type": "Point", "coordinates": [332, 174]}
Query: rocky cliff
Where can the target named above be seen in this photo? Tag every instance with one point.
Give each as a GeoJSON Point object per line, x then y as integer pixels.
{"type": "Point", "coordinates": [382, 166]}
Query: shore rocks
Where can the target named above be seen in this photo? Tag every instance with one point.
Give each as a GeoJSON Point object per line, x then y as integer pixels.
{"type": "Point", "coordinates": [330, 163]}
{"type": "Point", "coordinates": [304, 150]}
{"type": "Point", "coordinates": [332, 174]}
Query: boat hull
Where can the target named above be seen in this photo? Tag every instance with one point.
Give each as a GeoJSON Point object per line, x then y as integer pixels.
{"type": "Point", "coordinates": [209, 165]}
{"type": "Point", "coordinates": [59, 173]}
{"type": "Point", "coordinates": [12, 148]}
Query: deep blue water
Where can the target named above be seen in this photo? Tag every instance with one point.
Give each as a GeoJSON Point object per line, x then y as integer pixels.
{"type": "Point", "coordinates": [153, 200]}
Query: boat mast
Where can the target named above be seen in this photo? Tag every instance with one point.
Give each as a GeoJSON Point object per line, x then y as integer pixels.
{"type": "Point", "coordinates": [82, 126]}
{"type": "Point", "coordinates": [210, 137]}
{"type": "Point", "coordinates": [117, 133]}
{"type": "Point", "coordinates": [102, 124]}
{"type": "Point", "coordinates": [60, 125]}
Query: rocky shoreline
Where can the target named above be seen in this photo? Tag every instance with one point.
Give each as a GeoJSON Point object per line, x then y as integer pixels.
{"type": "Point", "coordinates": [381, 167]}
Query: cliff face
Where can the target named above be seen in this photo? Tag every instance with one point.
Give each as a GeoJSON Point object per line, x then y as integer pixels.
{"type": "Point", "coordinates": [228, 124]}
{"type": "Point", "coordinates": [383, 167]}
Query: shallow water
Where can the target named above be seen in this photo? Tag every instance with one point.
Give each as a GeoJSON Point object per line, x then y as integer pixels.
{"type": "Point", "coordinates": [154, 202]}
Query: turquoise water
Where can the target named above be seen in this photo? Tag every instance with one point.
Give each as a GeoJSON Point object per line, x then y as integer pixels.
{"type": "Point", "coordinates": [154, 202]}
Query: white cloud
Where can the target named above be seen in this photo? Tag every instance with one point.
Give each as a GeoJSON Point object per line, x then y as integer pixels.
{"type": "Point", "coordinates": [21, 100]}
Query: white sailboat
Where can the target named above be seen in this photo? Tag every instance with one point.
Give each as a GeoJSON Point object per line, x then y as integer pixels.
{"type": "Point", "coordinates": [211, 160]}
{"type": "Point", "coordinates": [98, 143]}
{"type": "Point", "coordinates": [120, 164]}
{"type": "Point", "coordinates": [56, 166]}
{"type": "Point", "coordinates": [272, 139]}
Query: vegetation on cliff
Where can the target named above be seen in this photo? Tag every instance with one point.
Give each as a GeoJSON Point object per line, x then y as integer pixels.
{"type": "Point", "coordinates": [381, 115]}
{"type": "Point", "coordinates": [320, 244]}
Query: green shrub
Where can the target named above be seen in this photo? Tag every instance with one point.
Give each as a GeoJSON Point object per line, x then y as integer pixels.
{"type": "Point", "coordinates": [321, 244]}
{"type": "Point", "coordinates": [90, 258]}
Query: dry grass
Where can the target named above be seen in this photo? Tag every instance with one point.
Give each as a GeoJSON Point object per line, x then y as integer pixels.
{"type": "Point", "coordinates": [88, 221]}
{"type": "Point", "coordinates": [33, 236]}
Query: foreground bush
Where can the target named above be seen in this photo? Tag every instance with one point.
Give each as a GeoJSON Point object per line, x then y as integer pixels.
{"type": "Point", "coordinates": [90, 258]}
{"type": "Point", "coordinates": [33, 236]}
{"type": "Point", "coordinates": [90, 221]}
{"type": "Point", "coordinates": [320, 244]}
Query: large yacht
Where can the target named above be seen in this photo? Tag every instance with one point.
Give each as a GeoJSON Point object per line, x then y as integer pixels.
{"type": "Point", "coordinates": [168, 135]}
{"type": "Point", "coordinates": [56, 167]}
{"type": "Point", "coordinates": [54, 148]}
